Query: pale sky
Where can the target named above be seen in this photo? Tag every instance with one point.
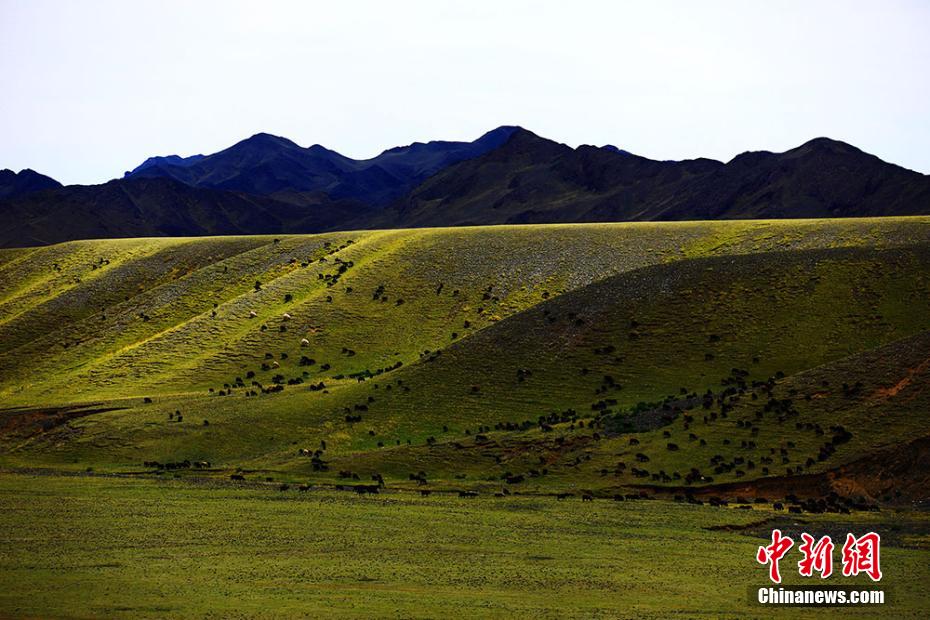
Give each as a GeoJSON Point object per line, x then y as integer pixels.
{"type": "Point", "coordinates": [89, 89]}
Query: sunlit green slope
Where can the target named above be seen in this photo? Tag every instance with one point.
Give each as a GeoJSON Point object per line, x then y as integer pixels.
{"type": "Point", "coordinates": [426, 339]}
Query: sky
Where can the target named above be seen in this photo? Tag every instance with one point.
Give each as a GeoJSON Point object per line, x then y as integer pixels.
{"type": "Point", "coordinates": [90, 89]}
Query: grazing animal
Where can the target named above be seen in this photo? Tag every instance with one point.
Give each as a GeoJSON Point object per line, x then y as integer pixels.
{"type": "Point", "coordinates": [238, 477]}
{"type": "Point", "coordinates": [425, 492]}
{"type": "Point", "coordinates": [286, 316]}
{"type": "Point", "coordinates": [304, 342]}
{"type": "Point", "coordinates": [587, 497]}
{"type": "Point", "coordinates": [252, 314]}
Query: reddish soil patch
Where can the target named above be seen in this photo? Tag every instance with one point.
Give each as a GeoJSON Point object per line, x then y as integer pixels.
{"type": "Point", "coordinates": [904, 382]}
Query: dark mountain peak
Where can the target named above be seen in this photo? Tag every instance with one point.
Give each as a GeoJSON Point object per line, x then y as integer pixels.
{"type": "Point", "coordinates": [613, 149]}
{"type": "Point", "coordinates": [522, 133]}
{"type": "Point", "coordinates": [827, 147]}
{"type": "Point", "coordinates": [265, 141]}
{"type": "Point", "coordinates": [521, 140]}
{"type": "Point", "coordinates": [28, 174]}
{"type": "Point", "coordinates": [827, 144]}
{"type": "Point", "coordinates": [408, 147]}
{"type": "Point", "coordinates": [24, 182]}
{"type": "Point", "coordinates": [165, 160]}
{"type": "Point", "coordinates": [817, 146]}
{"type": "Point", "coordinates": [319, 149]}
{"type": "Point", "coordinates": [504, 130]}
{"type": "Point", "coordinates": [499, 135]}
{"type": "Point", "coordinates": [488, 141]}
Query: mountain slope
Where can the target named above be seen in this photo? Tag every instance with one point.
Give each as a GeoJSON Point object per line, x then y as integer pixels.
{"type": "Point", "coordinates": [534, 180]}
{"type": "Point", "coordinates": [142, 207]}
{"type": "Point", "coordinates": [821, 178]}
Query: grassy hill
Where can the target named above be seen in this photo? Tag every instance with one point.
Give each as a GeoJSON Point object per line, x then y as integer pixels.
{"type": "Point", "coordinates": [438, 351]}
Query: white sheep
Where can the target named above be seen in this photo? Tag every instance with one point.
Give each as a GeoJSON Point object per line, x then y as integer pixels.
{"type": "Point", "coordinates": [275, 365]}
{"type": "Point", "coordinates": [304, 342]}
{"type": "Point", "coordinates": [287, 317]}
{"type": "Point", "coordinates": [252, 314]}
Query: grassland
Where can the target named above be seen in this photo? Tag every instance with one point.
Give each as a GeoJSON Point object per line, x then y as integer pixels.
{"type": "Point", "coordinates": [135, 548]}
{"type": "Point", "coordinates": [765, 359]}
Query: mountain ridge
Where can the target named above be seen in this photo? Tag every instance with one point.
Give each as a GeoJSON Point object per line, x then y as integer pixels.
{"type": "Point", "coordinates": [534, 180]}
{"type": "Point", "coordinates": [264, 164]}
{"type": "Point", "coordinates": [509, 175]}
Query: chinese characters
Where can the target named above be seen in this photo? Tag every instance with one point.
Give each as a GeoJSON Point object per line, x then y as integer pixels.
{"type": "Point", "coordinates": [859, 555]}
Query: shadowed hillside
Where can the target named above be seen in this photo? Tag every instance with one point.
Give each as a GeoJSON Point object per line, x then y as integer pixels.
{"type": "Point", "coordinates": [154, 207]}
{"type": "Point", "coordinates": [534, 180]}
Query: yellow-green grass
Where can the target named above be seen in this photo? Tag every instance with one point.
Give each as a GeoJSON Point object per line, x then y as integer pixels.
{"type": "Point", "coordinates": [110, 547]}
{"type": "Point", "coordinates": [81, 333]}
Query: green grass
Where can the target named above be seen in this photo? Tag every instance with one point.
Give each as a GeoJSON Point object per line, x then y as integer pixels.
{"type": "Point", "coordinates": [115, 547]}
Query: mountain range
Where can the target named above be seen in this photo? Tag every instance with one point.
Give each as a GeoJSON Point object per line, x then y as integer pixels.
{"type": "Point", "coordinates": [269, 184]}
{"type": "Point", "coordinates": [266, 164]}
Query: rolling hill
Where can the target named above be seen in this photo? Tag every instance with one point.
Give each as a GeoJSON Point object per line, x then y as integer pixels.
{"type": "Point", "coordinates": [528, 357]}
